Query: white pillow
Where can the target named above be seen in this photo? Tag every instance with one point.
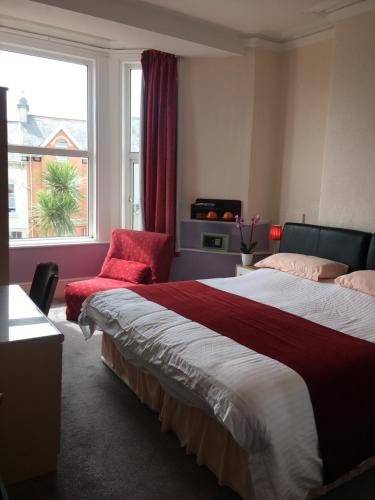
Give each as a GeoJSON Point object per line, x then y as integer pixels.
{"type": "Point", "coordinates": [363, 281]}
{"type": "Point", "coordinates": [306, 266]}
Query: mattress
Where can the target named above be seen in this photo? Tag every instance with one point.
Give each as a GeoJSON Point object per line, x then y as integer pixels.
{"type": "Point", "coordinates": [264, 404]}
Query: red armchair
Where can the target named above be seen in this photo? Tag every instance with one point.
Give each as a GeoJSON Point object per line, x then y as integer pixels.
{"type": "Point", "coordinates": [153, 249]}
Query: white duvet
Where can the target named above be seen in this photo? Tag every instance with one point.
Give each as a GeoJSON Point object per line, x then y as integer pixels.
{"type": "Point", "coordinates": [264, 404]}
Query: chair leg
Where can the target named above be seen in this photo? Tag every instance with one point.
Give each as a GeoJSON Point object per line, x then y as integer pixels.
{"type": "Point", "coordinates": [3, 491]}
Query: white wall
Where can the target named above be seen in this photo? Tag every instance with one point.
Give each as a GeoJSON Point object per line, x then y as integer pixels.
{"type": "Point", "coordinates": [229, 132]}
{"type": "Point", "coordinates": [215, 120]}
{"type": "Point", "coordinates": [328, 169]}
{"type": "Point", "coordinates": [307, 76]}
{"type": "Point", "coordinates": [348, 181]}
{"type": "Point", "coordinates": [264, 174]}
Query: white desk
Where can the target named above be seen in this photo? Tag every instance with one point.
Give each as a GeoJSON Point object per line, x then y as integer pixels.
{"type": "Point", "coordinates": [30, 380]}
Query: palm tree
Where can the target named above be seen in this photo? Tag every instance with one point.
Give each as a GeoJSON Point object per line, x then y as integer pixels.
{"type": "Point", "coordinates": [58, 202]}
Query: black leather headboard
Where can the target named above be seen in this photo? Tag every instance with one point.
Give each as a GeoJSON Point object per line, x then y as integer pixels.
{"type": "Point", "coordinates": [370, 264]}
{"type": "Point", "coordinates": [342, 245]}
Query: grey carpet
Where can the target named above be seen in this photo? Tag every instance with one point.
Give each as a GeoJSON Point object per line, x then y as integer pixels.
{"type": "Point", "coordinates": [112, 447]}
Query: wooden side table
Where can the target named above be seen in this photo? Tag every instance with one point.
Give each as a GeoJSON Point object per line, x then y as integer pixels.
{"type": "Point", "coordinates": [241, 270]}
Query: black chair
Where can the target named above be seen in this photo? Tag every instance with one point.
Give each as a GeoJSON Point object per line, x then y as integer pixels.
{"type": "Point", "coordinates": [44, 284]}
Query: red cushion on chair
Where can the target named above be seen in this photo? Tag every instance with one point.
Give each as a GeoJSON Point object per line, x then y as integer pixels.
{"type": "Point", "coordinates": [126, 270]}
{"type": "Point", "coordinates": [78, 291]}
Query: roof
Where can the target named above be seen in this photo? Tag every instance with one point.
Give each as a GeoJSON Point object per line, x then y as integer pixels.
{"type": "Point", "coordinates": [38, 128]}
{"type": "Point", "coordinates": [23, 102]}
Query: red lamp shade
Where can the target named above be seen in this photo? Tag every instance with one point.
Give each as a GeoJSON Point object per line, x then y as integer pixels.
{"type": "Point", "coordinates": [275, 233]}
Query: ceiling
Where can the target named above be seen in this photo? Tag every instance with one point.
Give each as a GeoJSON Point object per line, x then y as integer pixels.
{"type": "Point", "coordinates": [184, 27]}
{"type": "Point", "coordinates": [272, 18]}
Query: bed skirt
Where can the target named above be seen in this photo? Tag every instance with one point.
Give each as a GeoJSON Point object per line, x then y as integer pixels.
{"type": "Point", "coordinates": [199, 433]}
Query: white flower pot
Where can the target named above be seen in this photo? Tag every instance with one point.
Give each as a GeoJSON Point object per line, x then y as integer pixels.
{"type": "Point", "coordinates": [247, 259]}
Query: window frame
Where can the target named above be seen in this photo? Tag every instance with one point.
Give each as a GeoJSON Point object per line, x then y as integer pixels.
{"type": "Point", "coordinates": [89, 153]}
{"type": "Point", "coordinates": [129, 157]}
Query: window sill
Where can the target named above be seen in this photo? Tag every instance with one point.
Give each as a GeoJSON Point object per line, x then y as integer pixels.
{"type": "Point", "coordinates": [51, 242]}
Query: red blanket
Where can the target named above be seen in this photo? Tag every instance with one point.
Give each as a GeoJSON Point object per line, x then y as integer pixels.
{"type": "Point", "coordinates": [339, 370]}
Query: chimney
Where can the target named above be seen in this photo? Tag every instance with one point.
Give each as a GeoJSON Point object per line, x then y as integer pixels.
{"type": "Point", "coordinates": [23, 109]}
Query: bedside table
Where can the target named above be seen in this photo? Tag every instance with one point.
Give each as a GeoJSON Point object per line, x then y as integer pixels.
{"type": "Point", "coordinates": [240, 269]}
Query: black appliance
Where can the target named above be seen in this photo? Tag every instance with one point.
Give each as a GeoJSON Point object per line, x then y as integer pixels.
{"type": "Point", "coordinates": [202, 206]}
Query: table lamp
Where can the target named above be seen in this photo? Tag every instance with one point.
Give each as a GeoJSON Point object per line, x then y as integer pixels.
{"type": "Point", "coordinates": [275, 235]}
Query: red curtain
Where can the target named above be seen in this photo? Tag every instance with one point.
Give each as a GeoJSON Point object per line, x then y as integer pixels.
{"type": "Point", "coordinates": [159, 141]}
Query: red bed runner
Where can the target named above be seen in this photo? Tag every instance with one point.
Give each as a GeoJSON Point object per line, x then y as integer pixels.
{"type": "Point", "coordinates": [339, 370]}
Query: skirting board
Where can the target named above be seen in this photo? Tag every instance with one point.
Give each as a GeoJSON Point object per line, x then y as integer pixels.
{"type": "Point", "coordinates": [59, 292]}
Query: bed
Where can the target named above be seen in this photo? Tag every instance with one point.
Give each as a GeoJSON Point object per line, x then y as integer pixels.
{"type": "Point", "coordinates": [246, 415]}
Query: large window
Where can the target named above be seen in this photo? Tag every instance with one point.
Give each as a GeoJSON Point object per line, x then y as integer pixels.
{"type": "Point", "coordinates": [50, 156]}
{"type": "Point", "coordinates": [133, 85]}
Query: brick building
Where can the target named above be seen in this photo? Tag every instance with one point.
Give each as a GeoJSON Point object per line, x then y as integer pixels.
{"type": "Point", "coordinates": [26, 171]}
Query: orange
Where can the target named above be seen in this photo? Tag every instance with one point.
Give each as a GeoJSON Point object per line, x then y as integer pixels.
{"type": "Point", "coordinates": [212, 215]}
{"type": "Point", "coordinates": [228, 215]}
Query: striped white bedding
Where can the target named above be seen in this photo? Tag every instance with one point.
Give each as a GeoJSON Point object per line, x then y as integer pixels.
{"type": "Point", "coordinates": [264, 404]}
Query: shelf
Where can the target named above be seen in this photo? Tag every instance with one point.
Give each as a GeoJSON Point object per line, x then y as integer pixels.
{"type": "Point", "coordinates": [190, 249]}
{"type": "Point", "coordinates": [218, 221]}
{"type": "Point", "coordinates": [186, 249]}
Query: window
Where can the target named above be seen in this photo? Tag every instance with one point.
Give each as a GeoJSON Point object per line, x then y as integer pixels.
{"type": "Point", "coordinates": [50, 148]}
{"type": "Point", "coordinates": [11, 199]}
{"type": "Point", "coordinates": [133, 85]}
{"type": "Point", "coordinates": [61, 143]}
{"type": "Point", "coordinates": [15, 235]}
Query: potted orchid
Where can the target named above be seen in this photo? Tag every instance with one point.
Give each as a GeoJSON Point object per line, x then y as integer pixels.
{"type": "Point", "coordinates": [247, 245]}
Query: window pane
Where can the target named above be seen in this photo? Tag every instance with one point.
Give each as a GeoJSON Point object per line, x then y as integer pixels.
{"type": "Point", "coordinates": [135, 108]}
{"type": "Point", "coordinates": [50, 196]}
{"type": "Point", "coordinates": [136, 209]}
{"type": "Point", "coordinates": [11, 199]}
{"type": "Point", "coordinates": [47, 101]}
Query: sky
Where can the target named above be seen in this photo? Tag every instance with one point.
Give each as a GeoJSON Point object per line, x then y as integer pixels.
{"type": "Point", "coordinates": [51, 87]}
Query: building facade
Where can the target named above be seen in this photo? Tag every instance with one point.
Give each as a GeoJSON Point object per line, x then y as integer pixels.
{"type": "Point", "coordinates": [26, 172]}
